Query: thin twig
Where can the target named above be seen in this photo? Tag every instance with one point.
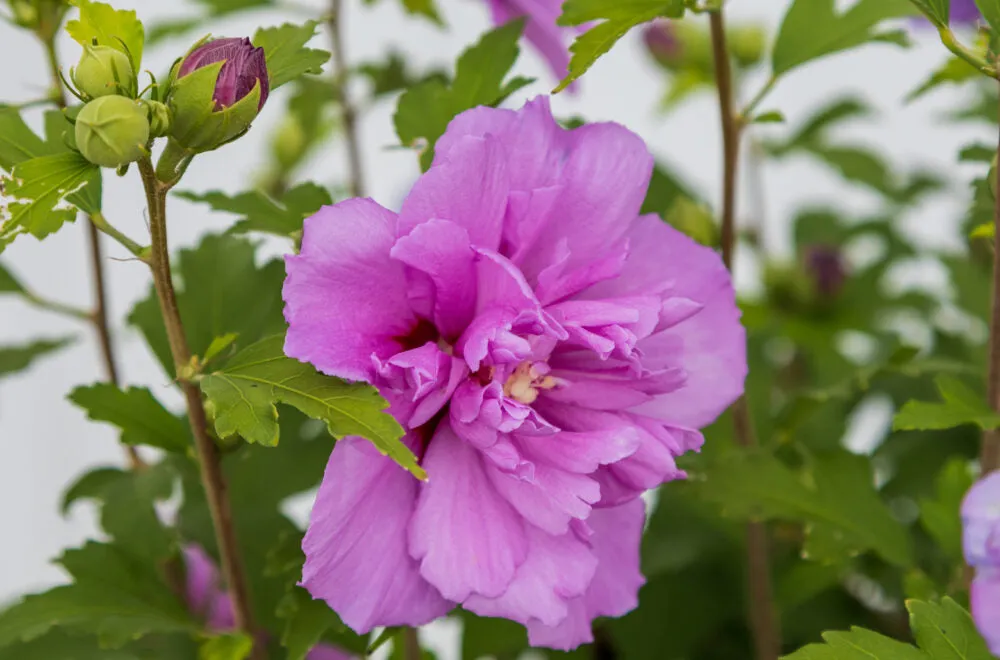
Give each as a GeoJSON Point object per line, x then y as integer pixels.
{"type": "Point", "coordinates": [99, 316]}
{"type": "Point", "coordinates": [989, 459]}
{"type": "Point", "coordinates": [763, 618]}
{"type": "Point", "coordinates": [208, 455]}
{"type": "Point", "coordinates": [411, 644]}
{"type": "Point", "coordinates": [348, 114]}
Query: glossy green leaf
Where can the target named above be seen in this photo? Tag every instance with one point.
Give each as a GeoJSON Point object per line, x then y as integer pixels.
{"type": "Point", "coordinates": [424, 111]}
{"type": "Point", "coordinates": [260, 212]}
{"type": "Point", "coordinates": [36, 188]}
{"type": "Point", "coordinates": [18, 358]}
{"type": "Point", "coordinates": [814, 28]}
{"type": "Point", "coordinates": [618, 17]}
{"type": "Point", "coordinates": [244, 393]}
{"type": "Point", "coordinates": [119, 29]}
{"type": "Point", "coordinates": [142, 419]}
{"type": "Point", "coordinates": [287, 56]}
{"type": "Point", "coordinates": [945, 631]}
{"type": "Point", "coordinates": [960, 406]}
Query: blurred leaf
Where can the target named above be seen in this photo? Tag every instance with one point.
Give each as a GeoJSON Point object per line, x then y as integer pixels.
{"type": "Point", "coordinates": [142, 419]}
{"type": "Point", "coordinates": [18, 358]}
{"type": "Point", "coordinates": [220, 291]}
{"type": "Point", "coordinates": [961, 406]}
{"type": "Point", "coordinates": [163, 30]}
{"type": "Point", "coordinates": [9, 283]}
{"type": "Point", "coordinates": [118, 29]}
{"type": "Point", "coordinates": [230, 646]}
{"type": "Point", "coordinates": [57, 645]}
{"type": "Point", "coordinates": [990, 9]}
{"type": "Point", "coordinates": [939, 11]}
{"type": "Point", "coordinates": [945, 631]}
{"type": "Point", "coordinates": [954, 70]}
{"type": "Point", "coordinates": [425, 8]}
{"type": "Point", "coordinates": [113, 595]}
{"type": "Point", "coordinates": [37, 186]}
{"type": "Point", "coordinates": [244, 393]}
{"type": "Point", "coordinates": [287, 56]}
{"type": "Point", "coordinates": [305, 622]}
{"type": "Point", "coordinates": [940, 515]}
{"type": "Point", "coordinates": [617, 16]}
{"type": "Point", "coordinates": [814, 28]}
{"type": "Point", "coordinates": [665, 188]}
{"type": "Point", "coordinates": [424, 111]}
{"type": "Point", "coordinates": [770, 117]}
{"type": "Point", "coordinates": [488, 637]}
{"type": "Point", "coordinates": [260, 212]}
{"type": "Point", "coordinates": [841, 501]}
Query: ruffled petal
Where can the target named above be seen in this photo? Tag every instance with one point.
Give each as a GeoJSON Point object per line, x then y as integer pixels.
{"type": "Point", "coordinates": [345, 299]}
{"type": "Point", "coordinates": [981, 522]}
{"type": "Point", "coordinates": [614, 590]}
{"type": "Point", "coordinates": [418, 383]}
{"type": "Point", "coordinates": [356, 542]}
{"type": "Point", "coordinates": [984, 599]}
{"type": "Point", "coordinates": [467, 538]}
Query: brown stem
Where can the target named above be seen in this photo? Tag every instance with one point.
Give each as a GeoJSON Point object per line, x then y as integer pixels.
{"type": "Point", "coordinates": [763, 619]}
{"type": "Point", "coordinates": [208, 455]}
{"type": "Point", "coordinates": [99, 316]}
{"type": "Point", "coordinates": [348, 114]}
{"type": "Point", "coordinates": [989, 459]}
{"type": "Point", "coordinates": [411, 644]}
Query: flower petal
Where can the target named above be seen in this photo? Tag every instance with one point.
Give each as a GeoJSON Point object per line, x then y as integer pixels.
{"type": "Point", "coordinates": [467, 538]}
{"type": "Point", "coordinates": [356, 542]}
{"type": "Point", "coordinates": [345, 299]}
{"type": "Point", "coordinates": [984, 599]}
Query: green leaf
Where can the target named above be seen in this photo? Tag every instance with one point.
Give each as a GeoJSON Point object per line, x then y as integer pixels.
{"type": "Point", "coordinates": [220, 290]}
{"type": "Point", "coordinates": [840, 504]}
{"type": "Point", "coordinates": [231, 646]}
{"type": "Point", "coordinates": [424, 111]}
{"type": "Point", "coordinates": [665, 188]}
{"type": "Point", "coordinates": [57, 645]}
{"type": "Point", "coordinates": [18, 358]}
{"type": "Point", "coordinates": [859, 644]}
{"type": "Point", "coordinates": [260, 212]}
{"type": "Point", "coordinates": [769, 117]}
{"type": "Point", "coordinates": [813, 29]}
{"type": "Point", "coordinates": [218, 345]}
{"type": "Point", "coordinates": [946, 631]}
{"type": "Point", "coordinates": [245, 391]}
{"type": "Point", "coordinates": [940, 515]}
{"type": "Point", "coordinates": [113, 595]}
{"type": "Point", "coordinates": [9, 283]}
{"type": "Point", "coordinates": [961, 406]}
{"type": "Point", "coordinates": [305, 622]}
{"type": "Point", "coordinates": [142, 419]}
{"type": "Point", "coordinates": [287, 56]}
{"type": "Point", "coordinates": [990, 9]}
{"type": "Point", "coordinates": [938, 11]}
{"type": "Point", "coordinates": [955, 70]}
{"type": "Point", "coordinates": [618, 16]}
{"type": "Point", "coordinates": [118, 29]}
{"type": "Point", "coordinates": [18, 143]}
{"type": "Point", "coordinates": [38, 185]}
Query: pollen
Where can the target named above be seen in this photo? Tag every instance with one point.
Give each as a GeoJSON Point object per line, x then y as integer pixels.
{"type": "Point", "coordinates": [528, 378]}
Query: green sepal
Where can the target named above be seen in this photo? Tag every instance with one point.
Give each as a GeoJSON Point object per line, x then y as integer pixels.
{"type": "Point", "coordinates": [197, 125]}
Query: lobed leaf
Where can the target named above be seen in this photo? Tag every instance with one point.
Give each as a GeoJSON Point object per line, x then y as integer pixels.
{"type": "Point", "coordinates": [259, 211]}
{"type": "Point", "coordinates": [18, 358]}
{"type": "Point", "coordinates": [961, 406]}
{"type": "Point", "coordinates": [117, 28]}
{"type": "Point", "coordinates": [142, 419]}
{"type": "Point", "coordinates": [287, 56]}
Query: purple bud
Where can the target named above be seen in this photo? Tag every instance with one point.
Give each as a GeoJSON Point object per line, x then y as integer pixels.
{"type": "Point", "coordinates": [825, 264]}
{"type": "Point", "coordinates": [244, 67]}
{"type": "Point", "coordinates": [661, 42]}
{"type": "Point", "coordinates": [964, 11]}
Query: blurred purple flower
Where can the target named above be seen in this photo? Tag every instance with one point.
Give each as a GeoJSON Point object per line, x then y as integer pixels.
{"type": "Point", "coordinates": [825, 264]}
{"type": "Point", "coordinates": [964, 11]}
{"type": "Point", "coordinates": [981, 539]}
{"type": "Point", "coordinates": [661, 41]}
{"type": "Point", "coordinates": [245, 67]}
{"type": "Point", "coordinates": [207, 600]}
{"type": "Point", "coordinates": [551, 40]}
{"type": "Point", "coordinates": [549, 351]}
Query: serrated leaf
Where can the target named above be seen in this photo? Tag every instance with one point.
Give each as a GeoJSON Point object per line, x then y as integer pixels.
{"type": "Point", "coordinates": [938, 11]}
{"type": "Point", "coordinates": [946, 631]}
{"type": "Point", "coordinates": [220, 290]}
{"type": "Point", "coordinates": [424, 111]}
{"type": "Point", "coordinates": [260, 212]}
{"type": "Point", "coordinates": [961, 406]}
{"type": "Point", "coordinates": [230, 646]}
{"type": "Point", "coordinates": [618, 16]}
{"type": "Point", "coordinates": [113, 595]}
{"type": "Point", "coordinates": [814, 28]}
{"type": "Point", "coordinates": [117, 28]}
{"type": "Point", "coordinates": [244, 393]}
{"type": "Point", "coordinates": [18, 143]}
{"type": "Point", "coordinates": [287, 56]}
{"type": "Point", "coordinates": [18, 358]}
{"type": "Point", "coordinates": [858, 644]}
{"type": "Point", "coordinates": [142, 419]}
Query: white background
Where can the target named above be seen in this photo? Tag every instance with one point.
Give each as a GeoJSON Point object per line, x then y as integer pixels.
{"type": "Point", "coordinates": [45, 441]}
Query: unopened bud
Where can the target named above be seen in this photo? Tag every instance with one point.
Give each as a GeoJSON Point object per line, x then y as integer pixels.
{"type": "Point", "coordinates": [159, 118]}
{"type": "Point", "coordinates": [104, 71]}
{"type": "Point", "coordinates": [661, 42]}
{"type": "Point", "coordinates": [112, 131]}
{"type": "Point", "coordinates": [826, 268]}
{"type": "Point", "coordinates": [747, 44]}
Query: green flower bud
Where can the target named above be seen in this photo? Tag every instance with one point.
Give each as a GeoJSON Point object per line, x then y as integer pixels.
{"type": "Point", "coordinates": [159, 117]}
{"type": "Point", "coordinates": [112, 131]}
{"type": "Point", "coordinates": [104, 71]}
{"type": "Point", "coordinates": [747, 44]}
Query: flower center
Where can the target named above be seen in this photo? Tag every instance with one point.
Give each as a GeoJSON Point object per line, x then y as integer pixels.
{"type": "Point", "coordinates": [527, 379]}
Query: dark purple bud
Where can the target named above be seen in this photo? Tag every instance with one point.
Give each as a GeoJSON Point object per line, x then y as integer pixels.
{"type": "Point", "coordinates": [244, 67]}
{"type": "Point", "coordinates": [661, 41]}
{"type": "Point", "coordinates": [825, 265]}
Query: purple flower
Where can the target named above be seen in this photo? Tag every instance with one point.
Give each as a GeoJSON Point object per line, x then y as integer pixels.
{"type": "Point", "coordinates": [245, 67]}
{"type": "Point", "coordinates": [981, 538]}
{"type": "Point", "coordinates": [550, 353]}
{"type": "Point", "coordinates": [208, 600]}
{"type": "Point", "coordinates": [661, 41]}
{"type": "Point", "coordinates": [964, 11]}
{"type": "Point", "coordinates": [825, 264]}
{"type": "Point", "coordinates": [551, 40]}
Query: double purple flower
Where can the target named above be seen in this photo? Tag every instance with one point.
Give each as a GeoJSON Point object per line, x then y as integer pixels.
{"type": "Point", "coordinates": [551, 40]}
{"type": "Point", "coordinates": [245, 67]}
